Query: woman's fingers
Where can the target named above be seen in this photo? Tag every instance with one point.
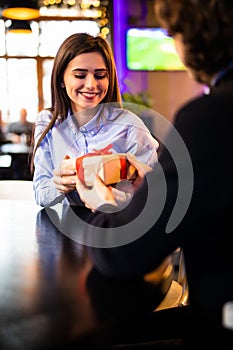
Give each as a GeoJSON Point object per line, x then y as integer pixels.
{"type": "Point", "coordinates": [65, 180]}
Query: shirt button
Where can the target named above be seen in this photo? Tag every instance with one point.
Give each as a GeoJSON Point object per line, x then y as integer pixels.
{"type": "Point", "coordinates": [83, 129]}
{"type": "Point", "coordinates": [92, 132]}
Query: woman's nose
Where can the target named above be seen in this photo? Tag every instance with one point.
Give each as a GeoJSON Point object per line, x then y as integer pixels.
{"type": "Point", "coordinates": [90, 81]}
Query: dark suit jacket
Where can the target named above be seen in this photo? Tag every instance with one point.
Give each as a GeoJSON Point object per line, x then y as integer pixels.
{"type": "Point", "coordinates": [199, 195]}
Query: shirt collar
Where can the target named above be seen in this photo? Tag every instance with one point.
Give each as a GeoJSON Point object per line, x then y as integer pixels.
{"type": "Point", "coordinates": [95, 124]}
{"type": "Point", "coordinates": [220, 75]}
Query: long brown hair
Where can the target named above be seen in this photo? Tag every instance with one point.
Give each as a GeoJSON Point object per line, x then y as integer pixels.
{"type": "Point", "coordinates": [73, 46]}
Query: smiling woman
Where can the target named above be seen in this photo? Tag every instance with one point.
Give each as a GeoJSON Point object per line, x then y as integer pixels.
{"type": "Point", "coordinates": [86, 116]}
{"type": "Point", "coordinates": [85, 86]}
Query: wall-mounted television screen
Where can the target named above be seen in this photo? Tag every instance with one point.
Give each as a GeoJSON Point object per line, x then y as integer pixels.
{"type": "Point", "coordinates": [151, 49]}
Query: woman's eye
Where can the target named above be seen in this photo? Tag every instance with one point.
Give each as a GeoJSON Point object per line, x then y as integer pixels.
{"type": "Point", "coordinates": [97, 76]}
{"type": "Point", "coordinates": [82, 76]}
{"type": "Point", "coordinates": [100, 76]}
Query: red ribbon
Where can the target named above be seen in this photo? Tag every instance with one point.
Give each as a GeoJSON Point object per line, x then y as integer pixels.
{"type": "Point", "coordinates": [79, 167]}
{"type": "Point", "coordinates": [123, 173]}
{"type": "Point", "coordinates": [104, 150]}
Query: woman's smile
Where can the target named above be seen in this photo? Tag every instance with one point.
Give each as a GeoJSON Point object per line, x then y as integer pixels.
{"type": "Point", "coordinates": [86, 81]}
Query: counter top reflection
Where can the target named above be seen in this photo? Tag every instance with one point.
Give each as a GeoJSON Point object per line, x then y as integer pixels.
{"type": "Point", "coordinates": [50, 294]}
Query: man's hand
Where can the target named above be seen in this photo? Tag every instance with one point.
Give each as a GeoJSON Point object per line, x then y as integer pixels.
{"type": "Point", "coordinates": [97, 195]}
{"type": "Point", "coordinates": [142, 170]}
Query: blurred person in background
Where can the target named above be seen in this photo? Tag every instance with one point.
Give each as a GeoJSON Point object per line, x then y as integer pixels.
{"type": "Point", "coordinates": [21, 131]}
{"type": "Point", "coordinates": [3, 138]}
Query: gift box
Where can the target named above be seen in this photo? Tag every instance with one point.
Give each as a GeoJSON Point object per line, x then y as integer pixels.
{"type": "Point", "coordinates": [111, 168]}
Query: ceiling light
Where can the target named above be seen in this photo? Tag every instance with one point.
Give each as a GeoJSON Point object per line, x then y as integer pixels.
{"type": "Point", "coordinates": [21, 10]}
{"type": "Point", "coordinates": [19, 27]}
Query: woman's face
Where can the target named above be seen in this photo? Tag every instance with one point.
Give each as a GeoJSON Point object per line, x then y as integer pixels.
{"type": "Point", "coordinates": [86, 81]}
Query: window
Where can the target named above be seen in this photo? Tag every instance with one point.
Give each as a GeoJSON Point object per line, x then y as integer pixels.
{"type": "Point", "coordinates": [26, 63]}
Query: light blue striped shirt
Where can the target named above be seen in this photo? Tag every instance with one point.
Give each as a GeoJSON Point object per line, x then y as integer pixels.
{"type": "Point", "coordinates": [123, 129]}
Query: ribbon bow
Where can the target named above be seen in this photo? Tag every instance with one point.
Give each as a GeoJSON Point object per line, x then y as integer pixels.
{"type": "Point", "coordinates": [79, 167]}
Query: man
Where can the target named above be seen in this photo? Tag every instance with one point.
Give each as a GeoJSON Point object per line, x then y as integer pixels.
{"type": "Point", "coordinates": [187, 201]}
{"type": "Point", "coordinates": [22, 128]}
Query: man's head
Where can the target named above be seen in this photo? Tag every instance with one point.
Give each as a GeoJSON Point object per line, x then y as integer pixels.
{"type": "Point", "coordinates": [23, 115]}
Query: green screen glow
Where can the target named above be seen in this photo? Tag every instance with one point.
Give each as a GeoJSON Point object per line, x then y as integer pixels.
{"type": "Point", "coordinates": [151, 49]}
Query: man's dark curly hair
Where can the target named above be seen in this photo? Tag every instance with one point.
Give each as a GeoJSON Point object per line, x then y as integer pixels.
{"type": "Point", "coordinates": [207, 30]}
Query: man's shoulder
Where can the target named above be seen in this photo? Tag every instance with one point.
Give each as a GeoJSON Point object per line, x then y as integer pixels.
{"type": "Point", "coordinates": [12, 125]}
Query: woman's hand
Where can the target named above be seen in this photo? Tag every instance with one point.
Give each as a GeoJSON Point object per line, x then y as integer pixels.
{"type": "Point", "coordinates": [98, 194]}
{"type": "Point", "coordinates": [65, 178]}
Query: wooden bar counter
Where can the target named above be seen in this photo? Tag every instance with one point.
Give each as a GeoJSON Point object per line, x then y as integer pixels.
{"type": "Point", "coordinates": [50, 294]}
